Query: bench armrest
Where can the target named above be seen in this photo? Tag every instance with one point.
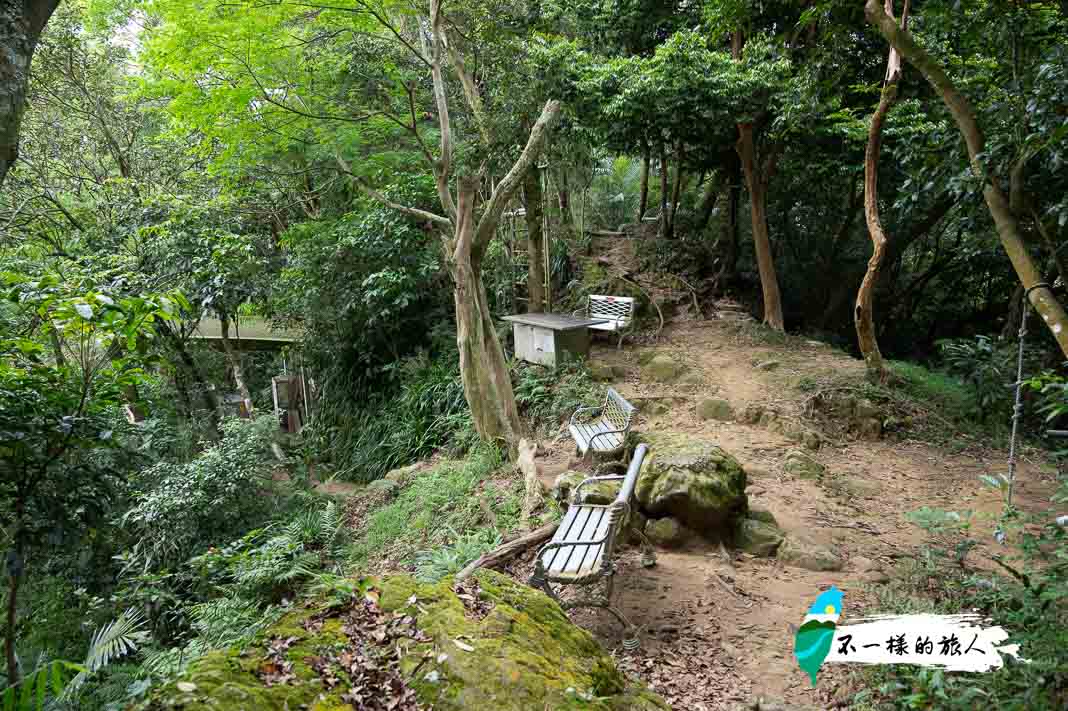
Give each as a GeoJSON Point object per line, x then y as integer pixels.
{"type": "Point", "coordinates": [584, 409]}
{"type": "Point", "coordinates": [630, 482]}
{"type": "Point", "coordinates": [605, 434]}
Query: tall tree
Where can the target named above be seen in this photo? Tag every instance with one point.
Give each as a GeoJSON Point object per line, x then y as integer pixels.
{"type": "Point", "coordinates": [21, 24]}
{"type": "Point", "coordinates": [757, 174]}
{"type": "Point", "coordinates": [1039, 293]}
{"type": "Point", "coordinates": [863, 312]}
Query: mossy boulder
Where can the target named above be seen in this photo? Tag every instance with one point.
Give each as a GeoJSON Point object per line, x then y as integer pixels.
{"type": "Point", "coordinates": [759, 537]}
{"type": "Point", "coordinates": [694, 481]}
{"type": "Point", "coordinates": [511, 648]}
{"type": "Point", "coordinates": [802, 466]}
{"type": "Point", "coordinates": [667, 532]}
{"type": "Point", "coordinates": [801, 552]}
{"type": "Point", "coordinates": [714, 408]}
{"type": "Point", "coordinates": [662, 369]}
{"type": "Point", "coordinates": [599, 492]}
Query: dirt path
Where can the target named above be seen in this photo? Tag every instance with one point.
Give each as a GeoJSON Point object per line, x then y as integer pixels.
{"type": "Point", "coordinates": [716, 628]}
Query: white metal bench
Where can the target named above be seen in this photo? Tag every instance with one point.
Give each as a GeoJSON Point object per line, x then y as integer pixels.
{"type": "Point", "coordinates": [617, 312]}
{"type": "Point", "coordinates": [608, 432]}
{"type": "Point", "coordinates": [580, 552]}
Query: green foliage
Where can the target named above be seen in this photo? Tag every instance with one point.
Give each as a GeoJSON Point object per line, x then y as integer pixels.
{"type": "Point", "coordinates": [451, 496]}
{"type": "Point", "coordinates": [433, 565]}
{"type": "Point", "coordinates": [985, 365]}
{"type": "Point", "coordinates": [39, 687]}
{"type": "Point", "coordinates": [1029, 604]}
{"type": "Point", "coordinates": [178, 508]}
{"type": "Point", "coordinates": [547, 396]}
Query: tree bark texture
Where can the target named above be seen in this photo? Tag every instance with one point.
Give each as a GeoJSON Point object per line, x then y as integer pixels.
{"type": "Point", "coordinates": [1045, 303]}
{"type": "Point", "coordinates": [643, 188]}
{"type": "Point", "coordinates": [758, 198]}
{"type": "Point", "coordinates": [676, 192]}
{"type": "Point", "coordinates": [21, 24]}
{"type": "Point", "coordinates": [663, 190]}
{"type": "Point", "coordinates": [483, 369]}
{"type": "Point", "coordinates": [532, 195]}
{"type": "Point", "coordinates": [863, 312]}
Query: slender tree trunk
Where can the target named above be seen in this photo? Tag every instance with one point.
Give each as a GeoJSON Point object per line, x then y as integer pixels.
{"type": "Point", "coordinates": [535, 241]}
{"type": "Point", "coordinates": [14, 674]}
{"type": "Point", "coordinates": [754, 181]}
{"type": "Point", "coordinates": [1041, 298]}
{"type": "Point", "coordinates": [728, 273]}
{"type": "Point", "coordinates": [863, 314]}
{"type": "Point", "coordinates": [663, 191]}
{"type": "Point", "coordinates": [563, 198]}
{"type": "Point", "coordinates": [708, 202]}
{"type": "Point", "coordinates": [643, 189]}
{"type": "Point", "coordinates": [21, 24]}
{"type": "Point", "coordinates": [233, 359]}
{"type": "Point", "coordinates": [483, 369]}
{"type": "Point", "coordinates": [676, 192]}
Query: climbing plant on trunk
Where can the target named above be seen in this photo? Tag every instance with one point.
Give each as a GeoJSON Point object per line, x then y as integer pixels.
{"type": "Point", "coordinates": [863, 315]}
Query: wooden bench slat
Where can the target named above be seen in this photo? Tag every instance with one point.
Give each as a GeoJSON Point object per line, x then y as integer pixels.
{"type": "Point", "coordinates": [581, 523]}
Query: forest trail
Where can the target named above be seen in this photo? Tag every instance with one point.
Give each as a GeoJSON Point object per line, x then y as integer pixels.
{"type": "Point", "coordinates": [716, 625]}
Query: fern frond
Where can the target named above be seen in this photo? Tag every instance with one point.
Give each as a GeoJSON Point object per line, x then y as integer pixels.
{"type": "Point", "coordinates": [117, 639]}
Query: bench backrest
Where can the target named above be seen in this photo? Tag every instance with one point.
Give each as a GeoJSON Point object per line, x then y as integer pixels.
{"type": "Point", "coordinates": [616, 410]}
{"type": "Point", "coordinates": [617, 309]}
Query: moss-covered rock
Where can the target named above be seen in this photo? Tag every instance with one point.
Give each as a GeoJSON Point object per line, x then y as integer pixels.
{"type": "Point", "coordinates": [802, 466]}
{"type": "Point", "coordinates": [515, 650]}
{"type": "Point", "coordinates": [694, 481]}
{"type": "Point", "coordinates": [801, 552]}
{"type": "Point", "coordinates": [662, 369]}
{"type": "Point", "coordinates": [667, 532]}
{"type": "Point", "coordinates": [758, 537]}
{"type": "Point", "coordinates": [714, 408]}
{"type": "Point", "coordinates": [599, 492]}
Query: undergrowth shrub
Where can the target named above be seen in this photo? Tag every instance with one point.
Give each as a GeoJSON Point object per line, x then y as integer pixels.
{"type": "Point", "coordinates": [1029, 600]}
{"type": "Point", "coordinates": [453, 496]}
{"type": "Point", "coordinates": [226, 489]}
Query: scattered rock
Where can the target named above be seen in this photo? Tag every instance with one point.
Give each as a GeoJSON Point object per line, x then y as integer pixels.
{"type": "Point", "coordinates": [803, 553]}
{"type": "Point", "coordinates": [521, 652]}
{"type": "Point", "coordinates": [857, 488]}
{"type": "Point", "coordinates": [764, 704]}
{"type": "Point", "coordinates": [802, 466]}
{"type": "Point", "coordinates": [384, 488]}
{"type": "Point", "coordinates": [752, 413]}
{"type": "Point", "coordinates": [870, 428]}
{"type": "Point", "coordinates": [599, 492]}
{"type": "Point", "coordinates": [653, 405]}
{"type": "Point", "coordinates": [768, 365]}
{"type": "Point", "coordinates": [667, 532]}
{"type": "Point", "coordinates": [692, 378]}
{"type": "Point", "coordinates": [864, 408]}
{"type": "Point", "coordinates": [403, 475]}
{"type": "Point", "coordinates": [714, 408]}
{"type": "Point", "coordinates": [758, 513]}
{"type": "Point", "coordinates": [662, 369]}
{"type": "Point", "coordinates": [759, 537]}
{"type": "Point", "coordinates": [694, 481]}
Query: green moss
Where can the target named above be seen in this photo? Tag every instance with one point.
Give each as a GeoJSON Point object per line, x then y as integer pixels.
{"type": "Point", "coordinates": [523, 653]}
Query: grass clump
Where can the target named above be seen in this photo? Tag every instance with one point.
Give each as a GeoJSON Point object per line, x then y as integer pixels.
{"type": "Point", "coordinates": [468, 495]}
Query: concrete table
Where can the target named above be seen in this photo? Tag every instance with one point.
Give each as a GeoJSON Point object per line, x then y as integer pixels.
{"type": "Point", "coordinates": [551, 339]}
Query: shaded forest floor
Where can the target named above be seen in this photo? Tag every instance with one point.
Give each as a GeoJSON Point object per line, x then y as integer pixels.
{"type": "Point", "coordinates": [716, 624]}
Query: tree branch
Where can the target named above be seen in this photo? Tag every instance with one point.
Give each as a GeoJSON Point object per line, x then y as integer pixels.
{"type": "Point", "coordinates": [371, 192]}
{"type": "Point", "coordinates": [487, 225]}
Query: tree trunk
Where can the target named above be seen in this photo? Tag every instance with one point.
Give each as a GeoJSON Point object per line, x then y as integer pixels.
{"type": "Point", "coordinates": [708, 202]}
{"type": "Point", "coordinates": [643, 189]}
{"type": "Point", "coordinates": [1041, 298]}
{"type": "Point", "coordinates": [663, 191]}
{"type": "Point", "coordinates": [483, 369]}
{"type": "Point", "coordinates": [729, 267]}
{"type": "Point", "coordinates": [233, 359]}
{"type": "Point", "coordinates": [676, 192]}
{"type": "Point", "coordinates": [21, 24]}
{"type": "Point", "coordinates": [754, 182]}
{"type": "Point", "coordinates": [13, 673]}
{"type": "Point", "coordinates": [535, 241]}
{"type": "Point", "coordinates": [563, 198]}
{"type": "Point", "coordinates": [863, 315]}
